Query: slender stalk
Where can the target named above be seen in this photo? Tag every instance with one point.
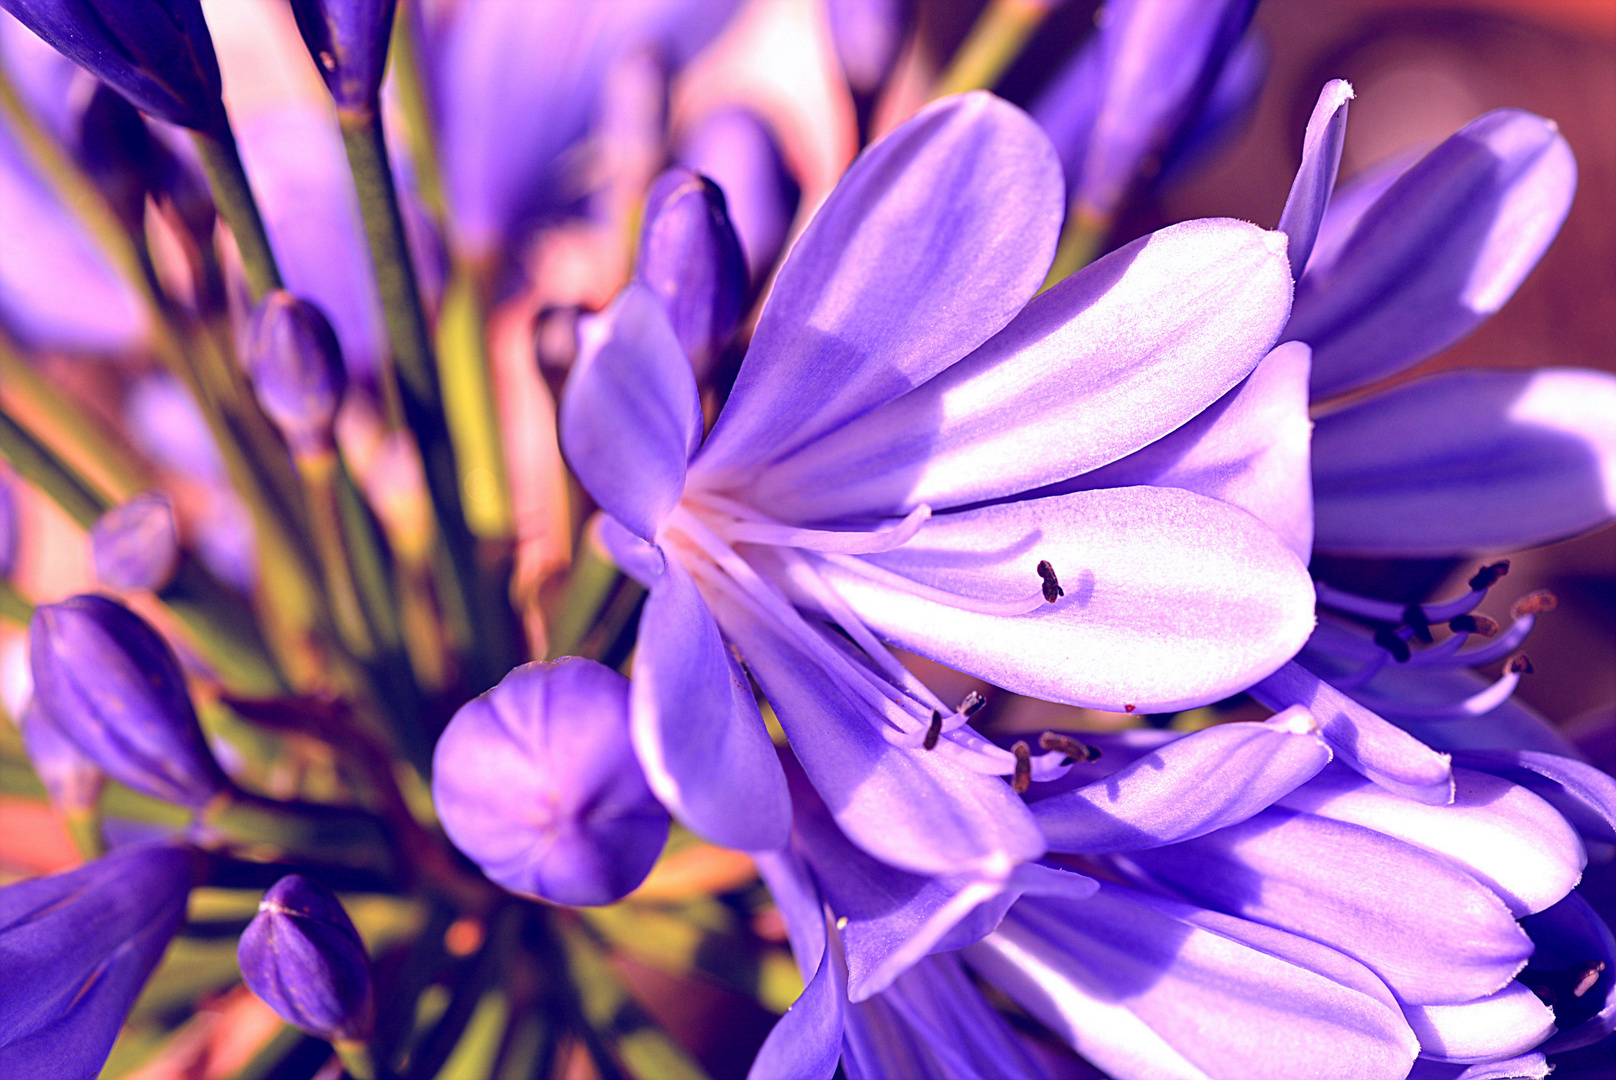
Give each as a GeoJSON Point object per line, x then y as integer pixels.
{"type": "Point", "coordinates": [221, 161]}
{"type": "Point", "coordinates": [417, 111]}
{"type": "Point", "coordinates": [468, 401]}
{"type": "Point", "coordinates": [326, 519]}
{"type": "Point", "coordinates": [39, 464]}
{"type": "Point", "coordinates": [992, 46]}
{"type": "Point", "coordinates": [115, 465]}
{"type": "Point", "coordinates": [14, 606]}
{"type": "Point", "coordinates": [84, 826]}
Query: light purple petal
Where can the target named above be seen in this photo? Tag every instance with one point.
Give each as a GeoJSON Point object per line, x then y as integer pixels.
{"type": "Point", "coordinates": [1572, 936]}
{"type": "Point", "coordinates": [630, 414]}
{"type": "Point", "coordinates": [1435, 934]}
{"type": "Point", "coordinates": [1586, 796]}
{"type": "Point", "coordinates": [1525, 1067]}
{"type": "Point", "coordinates": [931, 242]}
{"type": "Point", "coordinates": [697, 730]}
{"type": "Point", "coordinates": [806, 1043]}
{"type": "Point", "coordinates": [1504, 835]}
{"type": "Point", "coordinates": [1467, 461]}
{"type": "Point", "coordinates": [1187, 788]}
{"type": "Point", "coordinates": [1321, 158]}
{"type": "Point", "coordinates": [1500, 1025]}
{"type": "Point", "coordinates": [734, 148]}
{"type": "Point", "coordinates": [1444, 247]}
{"type": "Point", "coordinates": [1172, 599]}
{"type": "Point", "coordinates": [1109, 360]}
{"type": "Point", "coordinates": [1363, 741]}
{"type": "Point", "coordinates": [1141, 990]}
{"type": "Point", "coordinates": [1250, 448]}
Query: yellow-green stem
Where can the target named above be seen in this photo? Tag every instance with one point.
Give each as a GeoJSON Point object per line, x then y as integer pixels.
{"type": "Point", "coordinates": [14, 606]}
{"type": "Point", "coordinates": [39, 465]}
{"type": "Point", "coordinates": [992, 46]}
{"type": "Point", "coordinates": [232, 194]}
{"type": "Point", "coordinates": [468, 402]}
{"type": "Point", "coordinates": [1085, 230]}
{"type": "Point", "coordinates": [417, 111]}
{"type": "Point", "coordinates": [356, 1058]}
{"type": "Point", "coordinates": [84, 826]}
{"type": "Point", "coordinates": [114, 463]}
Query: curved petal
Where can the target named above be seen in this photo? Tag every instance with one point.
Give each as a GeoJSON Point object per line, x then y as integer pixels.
{"type": "Point", "coordinates": [1187, 788]}
{"type": "Point", "coordinates": [934, 238]}
{"type": "Point", "coordinates": [1171, 599]}
{"type": "Point", "coordinates": [1435, 934]}
{"type": "Point", "coordinates": [697, 730]}
{"type": "Point", "coordinates": [1467, 461]}
{"type": "Point", "coordinates": [1364, 742]}
{"type": "Point", "coordinates": [806, 1043]}
{"type": "Point", "coordinates": [1573, 943]}
{"type": "Point", "coordinates": [630, 413]}
{"type": "Point", "coordinates": [1500, 1025]}
{"type": "Point", "coordinates": [1531, 1066]}
{"type": "Point", "coordinates": [1315, 179]}
{"type": "Point", "coordinates": [1111, 359]}
{"type": "Point", "coordinates": [1586, 796]}
{"type": "Point", "coordinates": [1250, 449]}
{"type": "Point", "coordinates": [1444, 247]}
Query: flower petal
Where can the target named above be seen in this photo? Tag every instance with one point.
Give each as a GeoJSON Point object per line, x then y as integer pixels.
{"type": "Point", "coordinates": [697, 730]}
{"type": "Point", "coordinates": [630, 414]}
{"type": "Point", "coordinates": [1500, 1025]}
{"type": "Point", "coordinates": [933, 239]}
{"type": "Point", "coordinates": [1250, 448]}
{"type": "Point", "coordinates": [1187, 788]}
{"type": "Point", "coordinates": [1586, 796]}
{"type": "Point", "coordinates": [1366, 743]}
{"type": "Point", "coordinates": [1571, 938]}
{"type": "Point", "coordinates": [1444, 247]}
{"type": "Point", "coordinates": [1467, 461]}
{"type": "Point", "coordinates": [1172, 599]}
{"type": "Point", "coordinates": [806, 1044]}
{"type": "Point", "coordinates": [1136, 343]}
{"type": "Point", "coordinates": [1321, 158]}
{"type": "Point", "coordinates": [1525, 1067]}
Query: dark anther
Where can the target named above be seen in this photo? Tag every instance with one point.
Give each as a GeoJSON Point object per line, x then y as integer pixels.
{"type": "Point", "coordinates": [972, 703]}
{"type": "Point", "coordinates": [1473, 624]}
{"type": "Point", "coordinates": [1052, 586]}
{"type": "Point", "coordinates": [1488, 575]}
{"type": "Point", "coordinates": [1022, 780]}
{"type": "Point", "coordinates": [1590, 975]}
{"type": "Point", "coordinates": [1414, 618]}
{"type": "Point", "coordinates": [1075, 751]}
{"type": "Point", "coordinates": [935, 731]}
{"type": "Point", "coordinates": [1128, 708]}
{"type": "Point", "coordinates": [1535, 603]}
{"type": "Point", "coordinates": [1387, 639]}
{"type": "Point", "coordinates": [1519, 665]}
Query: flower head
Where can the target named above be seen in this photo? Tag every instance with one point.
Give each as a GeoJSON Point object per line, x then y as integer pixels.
{"type": "Point", "coordinates": [348, 40]}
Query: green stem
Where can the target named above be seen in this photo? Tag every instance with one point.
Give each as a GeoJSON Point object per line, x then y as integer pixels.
{"type": "Point", "coordinates": [39, 465]}
{"type": "Point", "coordinates": [468, 402]}
{"type": "Point", "coordinates": [269, 829]}
{"type": "Point", "coordinates": [417, 111]}
{"type": "Point", "coordinates": [356, 1058]}
{"type": "Point", "coordinates": [84, 826]}
{"type": "Point", "coordinates": [14, 606]}
{"type": "Point", "coordinates": [233, 195]}
{"type": "Point", "coordinates": [992, 46]}
{"type": "Point", "coordinates": [326, 520]}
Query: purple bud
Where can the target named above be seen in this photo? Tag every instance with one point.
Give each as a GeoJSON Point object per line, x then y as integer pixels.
{"type": "Point", "coordinates": [297, 370]}
{"type": "Point", "coordinates": [156, 53]}
{"type": "Point", "coordinates": [78, 947]}
{"type": "Point", "coordinates": [736, 149]}
{"type": "Point", "coordinates": [691, 259]}
{"type": "Point", "coordinates": [134, 546]}
{"type": "Point", "coordinates": [867, 35]}
{"type": "Point", "coordinates": [73, 781]}
{"type": "Point", "coordinates": [9, 530]}
{"type": "Point", "coordinates": [111, 684]}
{"type": "Point", "coordinates": [348, 40]}
{"type": "Point", "coordinates": [537, 781]}
{"type": "Point", "coordinates": [303, 957]}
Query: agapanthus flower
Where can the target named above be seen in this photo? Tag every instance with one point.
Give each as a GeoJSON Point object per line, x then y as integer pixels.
{"type": "Point", "coordinates": [878, 468]}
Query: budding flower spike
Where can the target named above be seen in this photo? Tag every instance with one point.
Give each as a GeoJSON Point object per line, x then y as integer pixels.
{"type": "Point", "coordinates": [297, 370]}
{"type": "Point", "coordinates": [302, 956]}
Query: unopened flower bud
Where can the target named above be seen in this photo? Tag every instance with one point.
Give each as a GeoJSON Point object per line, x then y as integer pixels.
{"type": "Point", "coordinates": [113, 687]}
{"type": "Point", "coordinates": [297, 370]}
{"type": "Point", "coordinates": [537, 782]}
{"type": "Point", "coordinates": [71, 779]}
{"type": "Point", "coordinates": [691, 259]}
{"type": "Point", "coordinates": [134, 546]}
{"type": "Point", "coordinates": [303, 957]}
{"type": "Point", "coordinates": [867, 35]}
{"type": "Point", "coordinates": [348, 40]}
{"type": "Point", "coordinates": [156, 53]}
{"type": "Point", "coordinates": [736, 149]}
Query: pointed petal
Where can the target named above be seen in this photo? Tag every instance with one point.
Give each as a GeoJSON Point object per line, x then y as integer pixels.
{"type": "Point", "coordinates": [1364, 742]}
{"type": "Point", "coordinates": [1321, 158]}
{"type": "Point", "coordinates": [1467, 461]}
{"type": "Point", "coordinates": [1138, 343]}
{"type": "Point", "coordinates": [1504, 835]}
{"type": "Point", "coordinates": [1440, 251]}
{"type": "Point", "coordinates": [1500, 1025]}
{"type": "Point", "coordinates": [1584, 794]}
{"type": "Point", "coordinates": [1570, 938]}
{"type": "Point", "coordinates": [1187, 788]}
{"type": "Point", "coordinates": [1435, 934]}
{"type": "Point", "coordinates": [1172, 599]}
{"type": "Point", "coordinates": [806, 1044]}
{"type": "Point", "coordinates": [935, 237]}
{"type": "Point", "coordinates": [697, 730]}
{"type": "Point", "coordinates": [630, 414]}
{"type": "Point", "coordinates": [1250, 448]}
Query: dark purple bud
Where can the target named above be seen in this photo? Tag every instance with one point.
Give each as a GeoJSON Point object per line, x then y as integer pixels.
{"type": "Point", "coordinates": [537, 782]}
{"type": "Point", "coordinates": [303, 957]}
{"type": "Point", "coordinates": [736, 149]}
{"type": "Point", "coordinates": [348, 40]}
{"type": "Point", "coordinates": [73, 781]}
{"type": "Point", "coordinates": [691, 259]}
{"type": "Point", "coordinates": [134, 546]}
{"type": "Point", "coordinates": [156, 53]}
{"type": "Point", "coordinates": [297, 370]}
{"type": "Point", "coordinates": [78, 947]}
{"type": "Point", "coordinates": [10, 533]}
{"type": "Point", "coordinates": [867, 35]}
{"type": "Point", "coordinates": [113, 687]}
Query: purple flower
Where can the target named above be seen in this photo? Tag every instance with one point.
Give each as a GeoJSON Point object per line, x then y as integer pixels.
{"type": "Point", "coordinates": [536, 781]}
{"type": "Point", "coordinates": [156, 53]}
{"type": "Point", "coordinates": [113, 687]}
{"type": "Point", "coordinates": [735, 148]}
{"type": "Point", "coordinates": [78, 948]}
{"type": "Point", "coordinates": [348, 40]}
{"type": "Point", "coordinates": [878, 468]}
{"type": "Point", "coordinates": [134, 546]}
{"type": "Point", "coordinates": [303, 957]}
{"type": "Point", "coordinates": [297, 370]}
{"type": "Point", "coordinates": [867, 35]}
{"type": "Point", "coordinates": [690, 258]}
